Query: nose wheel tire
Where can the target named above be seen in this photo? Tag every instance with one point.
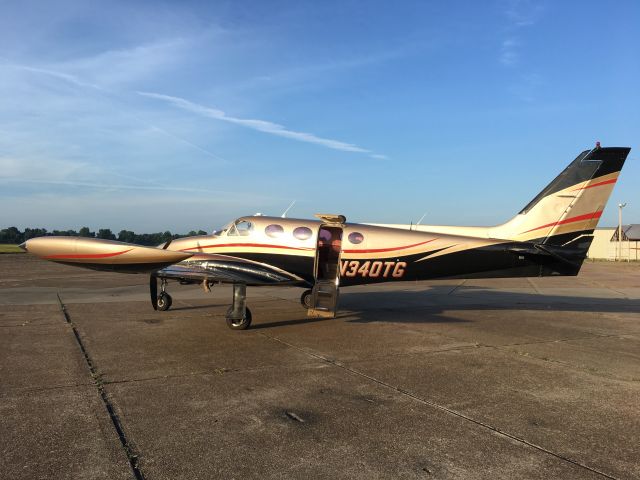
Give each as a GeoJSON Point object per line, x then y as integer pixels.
{"type": "Point", "coordinates": [164, 301]}
{"type": "Point", "coordinates": [306, 299]}
{"type": "Point", "coordinates": [239, 323]}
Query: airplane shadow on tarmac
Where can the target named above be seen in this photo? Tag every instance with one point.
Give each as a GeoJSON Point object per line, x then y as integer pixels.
{"type": "Point", "coordinates": [198, 307]}
{"type": "Point", "coordinates": [429, 306]}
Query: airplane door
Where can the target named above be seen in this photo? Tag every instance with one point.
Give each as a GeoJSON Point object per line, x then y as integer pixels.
{"type": "Point", "coordinates": [325, 292]}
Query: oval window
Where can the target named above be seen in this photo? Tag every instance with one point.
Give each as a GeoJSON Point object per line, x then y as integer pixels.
{"type": "Point", "coordinates": [356, 238]}
{"type": "Point", "coordinates": [274, 230]}
{"type": "Point", "coordinates": [302, 233]}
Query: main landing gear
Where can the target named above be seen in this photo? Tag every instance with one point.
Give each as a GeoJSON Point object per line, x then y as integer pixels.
{"type": "Point", "coordinates": [307, 299]}
{"type": "Point", "coordinates": [238, 316]}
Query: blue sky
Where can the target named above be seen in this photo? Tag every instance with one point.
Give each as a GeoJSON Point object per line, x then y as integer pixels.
{"type": "Point", "coordinates": [150, 115]}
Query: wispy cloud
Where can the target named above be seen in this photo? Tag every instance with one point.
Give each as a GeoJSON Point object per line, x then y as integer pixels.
{"type": "Point", "coordinates": [519, 14]}
{"type": "Point", "coordinates": [52, 170]}
{"type": "Point", "coordinates": [53, 73]}
{"type": "Point", "coordinates": [110, 95]}
{"type": "Point", "coordinates": [509, 53]}
{"type": "Point", "coordinates": [107, 186]}
{"type": "Point", "coordinates": [76, 174]}
{"type": "Point", "coordinates": [66, 207]}
{"type": "Point", "coordinates": [119, 67]}
{"type": "Point", "coordinates": [89, 177]}
{"type": "Point", "coordinates": [259, 125]}
{"type": "Point", "coordinates": [526, 86]}
{"type": "Point", "coordinates": [300, 74]}
{"type": "Point", "coordinates": [523, 13]}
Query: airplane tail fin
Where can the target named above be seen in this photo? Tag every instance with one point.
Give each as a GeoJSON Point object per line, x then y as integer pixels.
{"type": "Point", "coordinates": [566, 212]}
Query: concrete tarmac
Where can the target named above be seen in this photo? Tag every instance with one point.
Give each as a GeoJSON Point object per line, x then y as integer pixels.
{"type": "Point", "coordinates": [515, 378]}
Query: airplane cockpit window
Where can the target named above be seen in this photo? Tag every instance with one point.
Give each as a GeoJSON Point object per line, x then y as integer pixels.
{"type": "Point", "coordinates": [240, 228]}
{"type": "Point", "coordinates": [221, 231]}
{"type": "Point", "coordinates": [273, 230]}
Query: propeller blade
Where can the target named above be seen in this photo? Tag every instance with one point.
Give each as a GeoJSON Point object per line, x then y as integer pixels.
{"type": "Point", "coordinates": [153, 291]}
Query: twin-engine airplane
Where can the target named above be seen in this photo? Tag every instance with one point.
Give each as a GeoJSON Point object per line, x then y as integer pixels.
{"type": "Point", "coordinates": [550, 236]}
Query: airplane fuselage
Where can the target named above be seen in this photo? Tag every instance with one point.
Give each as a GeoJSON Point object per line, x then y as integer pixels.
{"type": "Point", "coordinates": [368, 253]}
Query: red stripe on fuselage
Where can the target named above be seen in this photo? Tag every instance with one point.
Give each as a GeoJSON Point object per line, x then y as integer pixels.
{"type": "Point", "coordinates": [257, 245]}
{"type": "Point", "coordinates": [586, 216]}
{"type": "Point", "coordinates": [606, 182]}
{"type": "Point", "coordinates": [378, 250]}
{"type": "Point", "coordinates": [89, 255]}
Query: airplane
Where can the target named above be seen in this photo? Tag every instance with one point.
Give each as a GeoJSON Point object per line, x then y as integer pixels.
{"type": "Point", "coordinates": [549, 236]}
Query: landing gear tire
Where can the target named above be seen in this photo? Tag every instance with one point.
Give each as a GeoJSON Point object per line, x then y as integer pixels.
{"type": "Point", "coordinates": [164, 301]}
{"type": "Point", "coordinates": [306, 298]}
{"type": "Point", "coordinates": [239, 323]}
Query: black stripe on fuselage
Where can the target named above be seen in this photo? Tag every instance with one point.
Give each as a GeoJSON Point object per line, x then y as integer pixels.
{"type": "Point", "coordinates": [503, 260]}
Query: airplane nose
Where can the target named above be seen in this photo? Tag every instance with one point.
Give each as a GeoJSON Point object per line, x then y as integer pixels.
{"type": "Point", "coordinates": [23, 246]}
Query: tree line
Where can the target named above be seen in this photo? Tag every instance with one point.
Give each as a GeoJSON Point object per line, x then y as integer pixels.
{"type": "Point", "coordinates": [14, 236]}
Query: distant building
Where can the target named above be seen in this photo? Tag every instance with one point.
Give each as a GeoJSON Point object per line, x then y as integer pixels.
{"type": "Point", "coordinates": [605, 243]}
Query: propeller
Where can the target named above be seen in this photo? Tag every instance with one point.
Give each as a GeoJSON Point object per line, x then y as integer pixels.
{"type": "Point", "coordinates": [153, 291]}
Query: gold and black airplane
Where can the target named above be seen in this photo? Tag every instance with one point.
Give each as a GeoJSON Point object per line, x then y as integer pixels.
{"type": "Point", "coordinates": [550, 236]}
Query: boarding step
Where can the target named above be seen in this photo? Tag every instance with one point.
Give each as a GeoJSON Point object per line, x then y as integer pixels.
{"type": "Point", "coordinates": [324, 299]}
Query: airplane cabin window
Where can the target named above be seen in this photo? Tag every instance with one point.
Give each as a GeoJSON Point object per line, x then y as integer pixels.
{"type": "Point", "coordinates": [356, 238]}
{"type": "Point", "coordinates": [302, 233]}
{"type": "Point", "coordinates": [274, 231]}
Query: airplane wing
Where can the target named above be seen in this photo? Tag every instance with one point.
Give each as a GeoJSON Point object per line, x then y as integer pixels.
{"type": "Point", "coordinates": [215, 268]}
{"type": "Point", "coordinates": [100, 254]}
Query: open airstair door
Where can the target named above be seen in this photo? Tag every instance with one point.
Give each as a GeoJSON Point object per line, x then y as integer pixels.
{"type": "Point", "coordinates": [324, 297]}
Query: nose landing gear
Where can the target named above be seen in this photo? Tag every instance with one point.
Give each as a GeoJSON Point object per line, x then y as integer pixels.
{"type": "Point", "coordinates": [163, 301]}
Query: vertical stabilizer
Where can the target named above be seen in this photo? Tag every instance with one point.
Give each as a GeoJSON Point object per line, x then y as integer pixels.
{"type": "Point", "coordinates": [571, 205]}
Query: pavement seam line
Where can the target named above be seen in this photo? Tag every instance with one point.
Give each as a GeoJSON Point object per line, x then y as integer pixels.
{"type": "Point", "coordinates": [205, 373]}
{"type": "Point", "coordinates": [478, 346]}
{"type": "Point", "coordinates": [534, 286]}
{"type": "Point", "coordinates": [132, 455]}
{"type": "Point", "coordinates": [45, 389]}
{"type": "Point", "coordinates": [450, 411]}
{"type": "Point", "coordinates": [450, 292]}
{"type": "Point", "coordinates": [612, 289]}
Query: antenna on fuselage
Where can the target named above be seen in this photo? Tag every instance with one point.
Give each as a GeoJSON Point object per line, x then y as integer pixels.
{"type": "Point", "coordinates": [284, 214]}
{"type": "Point", "coordinates": [421, 218]}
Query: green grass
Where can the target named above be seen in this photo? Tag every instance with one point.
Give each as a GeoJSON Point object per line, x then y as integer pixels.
{"type": "Point", "coordinates": [5, 248]}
